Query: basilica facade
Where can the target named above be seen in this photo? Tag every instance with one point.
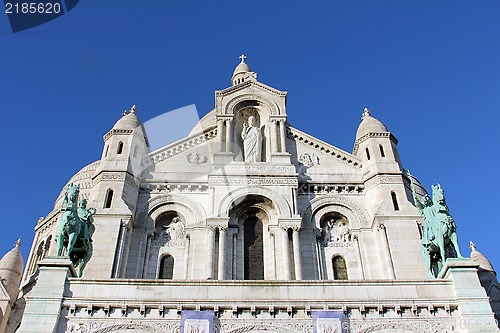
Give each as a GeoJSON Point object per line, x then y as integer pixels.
{"type": "Point", "coordinates": [247, 225]}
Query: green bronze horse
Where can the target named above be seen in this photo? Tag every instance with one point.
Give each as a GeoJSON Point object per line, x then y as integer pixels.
{"type": "Point", "coordinates": [439, 238]}
{"type": "Point", "coordinates": [75, 229]}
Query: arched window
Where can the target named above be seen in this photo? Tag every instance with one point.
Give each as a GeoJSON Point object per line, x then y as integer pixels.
{"type": "Point", "coordinates": [339, 268]}
{"type": "Point", "coordinates": [47, 246]}
{"type": "Point", "coordinates": [109, 199]}
{"type": "Point", "coordinates": [367, 153]}
{"type": "Point", "coordinates": [394, 200]}
{"type": "Point", "coordinates": [167, 267]}
{"type": "Point", "coordinates": [381, 150]}
{"type": "Point", "coordinates": [119, 150]}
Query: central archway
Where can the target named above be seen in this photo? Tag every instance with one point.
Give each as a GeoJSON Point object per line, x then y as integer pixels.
{"type": "Point", "coordinates": [253, 245]}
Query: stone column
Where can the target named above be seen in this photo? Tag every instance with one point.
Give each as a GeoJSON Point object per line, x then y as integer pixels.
{"type": "Point", "coordinates": [117, 272]}
{"type": "Point", "coordinates": [220, 130]}
{"type": "Point", "coordinates": [211, 252]}
{"type": "Point", "coordinates": [222, 253]}
{"type": "Point", "coordinates": [297, 259]}
{"type": "Point", "coordinates": [274, 137]}
{"type": "Point", "coordinates": [388, 266]}
{"type": "Point", "coordinates": [229, 136]}
{"type": "Point", "coordinates": [282, 136]}
{"type": "Point", "coordinates": [286, 254]}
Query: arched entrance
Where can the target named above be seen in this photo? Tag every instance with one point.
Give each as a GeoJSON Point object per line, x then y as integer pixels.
{"type": "Point", "coordinates": [253, 246]}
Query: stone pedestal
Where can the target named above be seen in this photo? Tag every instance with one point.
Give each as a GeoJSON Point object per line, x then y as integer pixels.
{"type": "Point", "coordinates": [473, 304]}
{"type": "Point", "coordinates": [43, 306]}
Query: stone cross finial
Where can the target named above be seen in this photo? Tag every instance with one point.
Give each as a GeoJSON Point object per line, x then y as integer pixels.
{"type": "Point", "coordinates": [366, 113]}
{"type": "Point", "coordinates": [18, 243]}
{"type": "Point", "coordinates": [133, 109]}
{"type": "Point", "coordinates": [242, 57]}
{"type": "Point", "coordinates": [472, 246]}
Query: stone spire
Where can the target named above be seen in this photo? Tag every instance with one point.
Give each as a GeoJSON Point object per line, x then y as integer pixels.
{"type": "Point", "coordinates": [11, 269]}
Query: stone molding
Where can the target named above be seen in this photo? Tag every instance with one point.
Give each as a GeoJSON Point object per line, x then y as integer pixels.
{"type": "Point", "coordinates": [256, 170]}
{"type": "Point", "coordinates": [231, 105]}
{"type": "Point", "coordinates": [305, 326]}
{"type": "Point", "coordinates": [105, 326]}
{"type": "Point", "coordinates": [327, 203]}
{"type": "Point", "coordinates": [162, 188]}
{"type": "Point", "coordinates": [315, 188]}
{"type": "Point", "coordinates": [247, 84]}
{"type": "Point", "coordinates": [323, 147]}
{"type": "Point", "coordinates": [283, 208]}
{"type": "Point", "coordinates": [383, 179]}
{"type": "Point", "coordinates": [177, 202]}
{"type": "Point", "coordinates": [373, 135]}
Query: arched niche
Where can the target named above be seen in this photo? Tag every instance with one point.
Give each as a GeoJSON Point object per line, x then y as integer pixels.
{"type": "Point", "coordinates": [260, 112]}
{"type": "Point", "coordinates": [193, 212]}
{"type": "Point", "coordinates": [311, 214]}
{"type": "Point", "coordinates": [234, 198]}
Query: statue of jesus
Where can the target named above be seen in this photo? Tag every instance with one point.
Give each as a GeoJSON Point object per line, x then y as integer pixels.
{"type": "Point", "coordinates": [252, 141]}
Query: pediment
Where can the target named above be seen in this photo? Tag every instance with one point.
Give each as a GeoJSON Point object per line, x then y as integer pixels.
{"type": "Point", "coordinates": [307, 144]}
{"type": "Point", "coordinates": [251, 86]}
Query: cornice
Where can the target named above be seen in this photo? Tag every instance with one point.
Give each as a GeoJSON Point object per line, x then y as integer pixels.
{"type": "Point", "coordinates": [183, 145]}
{"type": "Point", "coordinates": [373, 135]}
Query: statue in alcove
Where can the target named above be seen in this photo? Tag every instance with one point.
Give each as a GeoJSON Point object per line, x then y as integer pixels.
{"type": "Point", "coordinates": [252, 141]}
{"type": "Point", "coordinates": [174, 230]}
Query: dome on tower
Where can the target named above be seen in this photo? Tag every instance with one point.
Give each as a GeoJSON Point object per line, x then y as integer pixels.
{"type": "Point", "coordinates": [129, 120]}
{"type": "Point", "coordinates": [241, 68]}
{"type": "Point", "coordinates": [369, 124]}
{"type": "Point", "coordinates": [11, 269]}
{"type": "Point", "coordinates": [480, 258]}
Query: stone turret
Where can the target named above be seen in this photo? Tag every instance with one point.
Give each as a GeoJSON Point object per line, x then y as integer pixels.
{"type": "Point", "coordinates": [488, 279]}
{"type": "Point", "coordinates": [376, 146]}
{"type": "Point", "coordinates": [11, 269]}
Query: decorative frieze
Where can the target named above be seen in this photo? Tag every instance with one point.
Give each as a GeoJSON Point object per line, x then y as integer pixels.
{"type": "Point", "coordinates": [383, 179]}
{"type": "Point", "coordinates": [172, 188]}
{"type": "Point", "coordinates": [309, 160]}
{"type": "Point", "coordinates": [242, 181]}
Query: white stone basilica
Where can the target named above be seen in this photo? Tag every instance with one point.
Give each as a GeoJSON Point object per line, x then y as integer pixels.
{"type": "Point", "coordinates": [247, 225]}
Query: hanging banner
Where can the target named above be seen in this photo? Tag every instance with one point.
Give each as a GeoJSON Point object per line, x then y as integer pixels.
{"type": "Point", "coordinates": [197, 321]}
{"type": "Point", "coordinates": [328, 321]}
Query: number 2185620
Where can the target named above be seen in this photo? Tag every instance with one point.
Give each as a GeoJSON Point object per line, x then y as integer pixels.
{"type": "Point", "coordinates": [32, 8]}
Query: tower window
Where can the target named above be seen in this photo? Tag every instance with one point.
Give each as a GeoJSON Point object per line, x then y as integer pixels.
{"type": "Point", "coordinates": [394, 201]}
{"type": "Point", "coordinates": [367, 153]}
{"type": "Point", "coordinates": [109, 199]}
{"type": "Point", "coordinates": [339, 268]}
{"type": "Point", "coordinates": [119, 150]}
{"type": "Point", "coordinates": [106, 151]}
{"type": "Point", "coordinates": [381, 151]}
{"type": "Point", "coordinates": [167, 267]}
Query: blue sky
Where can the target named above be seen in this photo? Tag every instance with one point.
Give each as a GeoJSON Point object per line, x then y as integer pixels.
{"type": "Point", "coordinates": [428, 69]}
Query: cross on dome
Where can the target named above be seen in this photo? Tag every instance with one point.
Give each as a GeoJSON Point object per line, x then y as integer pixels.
{"type": "Point", "coordinates": [242, 57]}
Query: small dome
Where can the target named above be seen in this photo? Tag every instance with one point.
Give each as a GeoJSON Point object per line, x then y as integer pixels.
{"type": "Point", "coordinates": [369, 125]}
{"type": "Point", "coordinates": [480, 259]}
{"type": "Point", "coordinates": [241, 68]}
{"type": "Point", "coordinates": [11, 269]}
{"type": "Point", "coordinates": [128, 121]}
